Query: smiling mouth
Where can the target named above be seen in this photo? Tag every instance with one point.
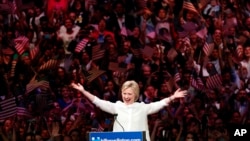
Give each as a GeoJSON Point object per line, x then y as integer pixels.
{"type": "Point", "coordinates": [127, 100]}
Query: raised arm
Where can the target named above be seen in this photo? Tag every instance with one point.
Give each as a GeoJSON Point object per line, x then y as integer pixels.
{"type": "Point", "coordinates": [104, 105]}
{"type": "Point", "coordinates": [156, 106]}
{"type": "Point", "coordinates": [80, 88]}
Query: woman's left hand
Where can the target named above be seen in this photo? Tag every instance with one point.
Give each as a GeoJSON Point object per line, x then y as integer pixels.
{"type": "Point", "coordinates": [180, 93]}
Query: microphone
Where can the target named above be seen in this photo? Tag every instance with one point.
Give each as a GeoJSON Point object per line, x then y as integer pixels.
{"type": "Point", "coordinates": [115, 115]}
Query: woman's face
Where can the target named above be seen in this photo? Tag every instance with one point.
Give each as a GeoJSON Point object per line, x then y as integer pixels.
{"type": "Point", "coordinates": [26, 60]}
{"type": "Point", "coordinates": [193, 38]}
{"type": "Point", "coordinates": [68, 125]}
{"type": "Point", "coordinates": [68, 24]}
{"type": "Point", "coordinates": [109, 39]}
{"type": "Point", "coordinates": [21, 131]}
{"type": "Point", "coordinates": [247, 52]}
{"type": "Point", "coordinates": [236, 118]}
{"type": "Point", "coordinates": [128, 96]}
{"type": "Point", "coordinates": [85, 57]}
{"type": "Point", "coordinates": [213, 2]}
{"type": "Point", "coordinates": [67, 138]}
{"type": "Point", "coordinates": [65, 92]}
{"type": "Point", "coordinates": [60, 72]}
{"type": "Point", "coordinates": [240, 50]}
{"type": "Point", "coordinates": [150, 91]}
{"type": "Point", "coordinates": [164, 88]}
{"type": "Point", "coordinates": [110, 85]}
{"type": "Point", "coordinates": [136, 32]}
{"type": "Point", "coordinates": [72, 16]}
{"type": "Point", "coordinates": [162, 14]}
{"type": "Point", "coordinates": [156, 54]}
{"type": "Point", "coordinates": [190, 15]}
{"type": "Point", "coordinates": [111, 48]}
{"type": "Point", "coordinates": [78, 5]}
{"type": "Point", "coordinates": [248, 23]}
{"type": "Point", "coordinates": [189, 137]}
{"type": "Point", "coordinates": [7, 125]}
{"type": "Point", "coordinates": [102, 25]}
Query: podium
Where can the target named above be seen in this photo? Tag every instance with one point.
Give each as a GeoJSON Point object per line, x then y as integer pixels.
{"type": "Point", "coordinates": [117, 136]}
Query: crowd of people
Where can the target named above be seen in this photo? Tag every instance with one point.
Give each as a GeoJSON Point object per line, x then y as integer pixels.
{"type": "Point", "coordinates": [199, 46]}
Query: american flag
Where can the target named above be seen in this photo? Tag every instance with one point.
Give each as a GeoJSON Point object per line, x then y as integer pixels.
{"type": "Point", "coordinates": [207, 49]}
{"type": "Point", "coordinates": [197, 83]}
{"type": "Point", "coordinates": [93, 74]}
{"type": "Point", "coordinates": [97, 52]}
{"type": "Point", "coordinates": [7, 108]}
{"type": "Point", "coordinates": [22, 111]}
{"type": "Point", "coordinates": [21, 44]}
{"type": "Point", "coordinates": [189, 6]}
{"type": "Point", "coordinates": [124, 31]}
{"type": "Point", "coordinates": [33, 52]}
{"type": "Point", "coordinates": [177, 76]}
{"type": "Point", "coordinates": [100, 128]}
{"type": "Point", "coordinates": [81, 45]}
{"type": "Point", "coordinates": [51, 64]}
{"type": "Point", "coordinates": [35, 84]}
{"type": "Point", "coordinates": [202, 33]}
{"type": "Point", "coordinates": [214, 81]}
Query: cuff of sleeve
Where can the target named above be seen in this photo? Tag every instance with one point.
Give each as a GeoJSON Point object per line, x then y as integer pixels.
{"type": "Point", "coordinates": [168, 100]}
{"type": "Point", "coordinates": [165, 102]}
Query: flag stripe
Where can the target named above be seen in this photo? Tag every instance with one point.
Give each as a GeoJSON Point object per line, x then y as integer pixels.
{"type": "Point", "coordinates": [100, 128]}
{"type": "Point", "coordinates": [202, 33]}
{"type": "Point", "coordinates": [206, 49]}
{"type": "Point", "coordinates": [21, 111]}
{"type": "Point", "coordinates": [20, 44]}
{"type": "Point", "coordinates": [98, 55]}
{"type": "Point", "coordinates": [97, 52]}
{"type": "Point", "coordinates": [177, 77]}
{"type": "Point", "coordinates": [8, 108]}
{"type": "Point", "coordinates": [51, 64]}
{"type": "Point", "coordinates": [214, 81]}
{"type": "Point", "coordinates": [33, 85]}
{"type": "Point", "coordinates": [81, 45]}
{"type": "Point", "coordinates": [197, 83]}
{"type": "Point", "coordinates": [33, 52]}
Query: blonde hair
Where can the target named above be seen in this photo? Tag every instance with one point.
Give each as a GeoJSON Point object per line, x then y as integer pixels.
{"type": "Point", "coordinates": [134, 86]}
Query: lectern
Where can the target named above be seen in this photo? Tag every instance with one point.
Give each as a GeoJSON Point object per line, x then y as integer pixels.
{"type": "Point", "coordinates": [117, 136]}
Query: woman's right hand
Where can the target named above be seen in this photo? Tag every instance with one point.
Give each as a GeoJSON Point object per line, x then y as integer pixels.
{"type": "Point", "coordinates": [78, 87]}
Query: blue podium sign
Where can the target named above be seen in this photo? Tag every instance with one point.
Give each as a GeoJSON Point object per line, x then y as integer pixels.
{"type": "Point", "coordinates": [117, 136]}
